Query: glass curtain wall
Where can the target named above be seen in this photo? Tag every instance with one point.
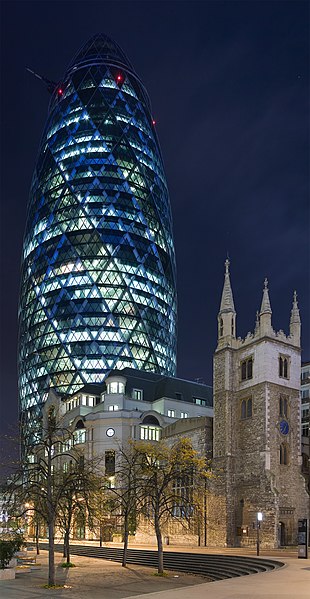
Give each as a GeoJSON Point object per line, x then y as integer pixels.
{"type": "Point", "coordinates": [98, 285]}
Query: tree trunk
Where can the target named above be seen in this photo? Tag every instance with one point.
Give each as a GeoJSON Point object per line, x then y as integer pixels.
{"type": "Point", "coordinates": [159, 546]}
{"type": "Point", "coordinates": [65, 545]}
{"type": "Point", "coordinates": [68, 546]}
{"type": "Point", "coordinates": [126, 535]}
{"type": "Point", "coordinates": [51, 554]}
{"type": "Point", "coordinates": [100, 535]}
{"type": "Point", "coordinates": [37, 538]}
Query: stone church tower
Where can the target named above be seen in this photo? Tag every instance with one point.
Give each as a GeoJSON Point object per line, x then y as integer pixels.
{"type": "Point", "coordinates": [256, 429]}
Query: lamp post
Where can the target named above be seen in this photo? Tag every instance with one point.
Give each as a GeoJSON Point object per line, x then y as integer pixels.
{"type": "Point", "coordinates": [259, 517]}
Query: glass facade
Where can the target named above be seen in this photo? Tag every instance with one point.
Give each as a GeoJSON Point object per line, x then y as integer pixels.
{"type": "Point", "coordinates": [98, 285]}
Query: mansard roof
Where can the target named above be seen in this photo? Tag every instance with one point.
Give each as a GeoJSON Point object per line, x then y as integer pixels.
{"type": "Point", "coordinates": [156, 386]}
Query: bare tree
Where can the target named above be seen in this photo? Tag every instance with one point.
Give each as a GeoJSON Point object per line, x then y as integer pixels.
{"type": "Point", "coordinates": [101, 509]}
{"type": "Point", "coordinates": [167, 476]}
{"type": "Point", "coordinates": [125, 491]}
{"type": "Point", "coordinates": [80, 484]}
{"type": "Point", "coordinates": [40, 481]}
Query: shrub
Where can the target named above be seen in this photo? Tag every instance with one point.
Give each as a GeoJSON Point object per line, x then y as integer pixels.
{"type": "Point", "coordinates": [7, 549]}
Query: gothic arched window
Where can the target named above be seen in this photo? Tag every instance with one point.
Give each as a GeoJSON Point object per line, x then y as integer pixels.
{"type": "Point", "coordinates": [243, 409]}
{"type": "Point", "coordinates": [283, 406]}
{"type": "Point", "coordinates": [246, 408]}
{"type": "Point", "coordinates": [283, 367]}
{"type": "Point", "coordinates": [247, 369]}
{"type": "Point", "coordinates": [221, 327]}
{"type": "Point", "coordinates": [249, 408]}
{"type": "Point", "coordinates": [283, 454]}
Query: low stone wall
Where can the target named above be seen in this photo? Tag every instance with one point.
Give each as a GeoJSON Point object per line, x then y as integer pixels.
{"type": "Point", "coordinates": [7, 574]}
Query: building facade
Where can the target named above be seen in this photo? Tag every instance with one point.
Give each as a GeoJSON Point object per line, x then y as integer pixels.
{"type": "Point", "coordinates": [305, 435]}
{"type": "Point", "coordinates": [98, 285]}
{"type": "Point", "coordinates": [249, 428]}
{"type": "Point", "coordinates": [133, 405]}
{"type": "Point", "coordinates": [256, 443]}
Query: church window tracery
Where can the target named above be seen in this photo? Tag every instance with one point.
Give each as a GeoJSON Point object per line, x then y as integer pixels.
{"type": "Point", "coordinates": [247, 369]}
{"type": "Point", "coordinates": [221, 327]}
{"type": "Point", "coordinates": [283, 367]}
{"type": "Point", "coordinates": [283, 406]}
{"type": "Point", "coordinates": [284, 454]}
{"type": "Point", "coordinates": [246, 408]}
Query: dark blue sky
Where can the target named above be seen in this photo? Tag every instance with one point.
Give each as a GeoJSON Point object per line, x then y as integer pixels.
{"type": "Point", "coordinates": [228, 82]}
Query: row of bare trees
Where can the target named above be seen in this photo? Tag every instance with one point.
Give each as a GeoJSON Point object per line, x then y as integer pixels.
{"type": "Point", "coordinates": [57, 484]}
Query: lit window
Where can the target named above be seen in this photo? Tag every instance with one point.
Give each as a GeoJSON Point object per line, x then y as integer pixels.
{"type": "Point", "coordinates": [149, 433]}
{"type": "Point", "coordinates": [247, 369]}
{"type": "Point", "coordinates": [171, 413]}
{"type": "Point", "coordinates": [137, 394]}
{"type": "Point", "coordinates": [184, 415]}
{"type": "Point", "coordinates": [116, 387]}
{"type": "Point", "coordinates": [66, 446]}
{"type": "Point", "coordinates": [79, 436]}
{"type": "Point", "coordinates": [111, 482]}
{"type": "Point", "coordinates": [199, 402]}
{"type": "Point", "coordinates": [113, 408]}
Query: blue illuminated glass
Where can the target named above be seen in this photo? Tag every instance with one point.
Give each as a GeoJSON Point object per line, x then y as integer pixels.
{"type": "Point", "coordinates": [98, 285]}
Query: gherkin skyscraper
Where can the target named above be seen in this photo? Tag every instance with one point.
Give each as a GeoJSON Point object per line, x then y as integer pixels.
{"type": "Point", "coordinates": [98, 287]}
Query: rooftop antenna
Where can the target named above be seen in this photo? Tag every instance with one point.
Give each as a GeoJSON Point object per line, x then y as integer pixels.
{"type": "Point", "coordinates": [50, 85]}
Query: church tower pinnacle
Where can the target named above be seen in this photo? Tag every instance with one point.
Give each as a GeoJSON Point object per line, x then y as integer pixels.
{"type": "Point", "coordinates": [295, 324]}
{"type": "Point", "coordinates": [227, 313]}
{"type": "Point", "coordinates": [265, 312]}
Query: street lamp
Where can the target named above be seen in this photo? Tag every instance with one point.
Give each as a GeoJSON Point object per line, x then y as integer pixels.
{"type": "Point", "coordinates": [259, 517]}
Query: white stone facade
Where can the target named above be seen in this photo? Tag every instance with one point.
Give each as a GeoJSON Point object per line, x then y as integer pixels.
{"type": "Point", "coordinates": [257, 444]}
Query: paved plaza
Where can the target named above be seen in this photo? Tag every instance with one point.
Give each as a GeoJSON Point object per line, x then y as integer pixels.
{"type": "Point", "coordinates": [98, 578]}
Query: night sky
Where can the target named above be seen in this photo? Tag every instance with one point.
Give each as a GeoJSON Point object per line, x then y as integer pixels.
{"type": "Point", "coordinates": [228, 83]}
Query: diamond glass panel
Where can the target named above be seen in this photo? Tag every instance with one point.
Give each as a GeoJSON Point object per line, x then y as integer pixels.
{"type": "Point", "coordinates": [98, 273]}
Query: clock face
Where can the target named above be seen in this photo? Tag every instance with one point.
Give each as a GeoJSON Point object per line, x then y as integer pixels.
{"type": "Point", "coordinates": [110, 432]}
{"type": "Point", "coordinates": [284, 427]}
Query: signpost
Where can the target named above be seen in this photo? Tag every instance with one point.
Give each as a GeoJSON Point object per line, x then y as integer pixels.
{"type": "Point", "coordinates": [303, 538]}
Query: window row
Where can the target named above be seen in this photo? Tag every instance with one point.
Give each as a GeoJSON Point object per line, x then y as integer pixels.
{"type": "Point", "coordinates": [247, 407]}
{"type": "Point", "coordinates": [232, 327]}
{"type": "Point", "coordinates": [82, 400]}
{"type": "Point", "coordinates": [246, 368]}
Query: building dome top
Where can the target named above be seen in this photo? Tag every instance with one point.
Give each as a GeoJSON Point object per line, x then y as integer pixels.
{"type": "Point", "coordinates": [97, 50]}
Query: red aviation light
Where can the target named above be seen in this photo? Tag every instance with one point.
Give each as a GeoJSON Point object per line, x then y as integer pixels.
{"type": "Point", "coordinates": [153, 122]}
{"type": "Point", "coordinates": [119, 78]}
{"type": "Point", "coordinates": [60, 91]}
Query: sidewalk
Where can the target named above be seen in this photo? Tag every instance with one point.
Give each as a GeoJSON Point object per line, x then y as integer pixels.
{"type": "Point", "coordinates": [290, 582]}
{"type": "Point", "coordinates": [103, 579]}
